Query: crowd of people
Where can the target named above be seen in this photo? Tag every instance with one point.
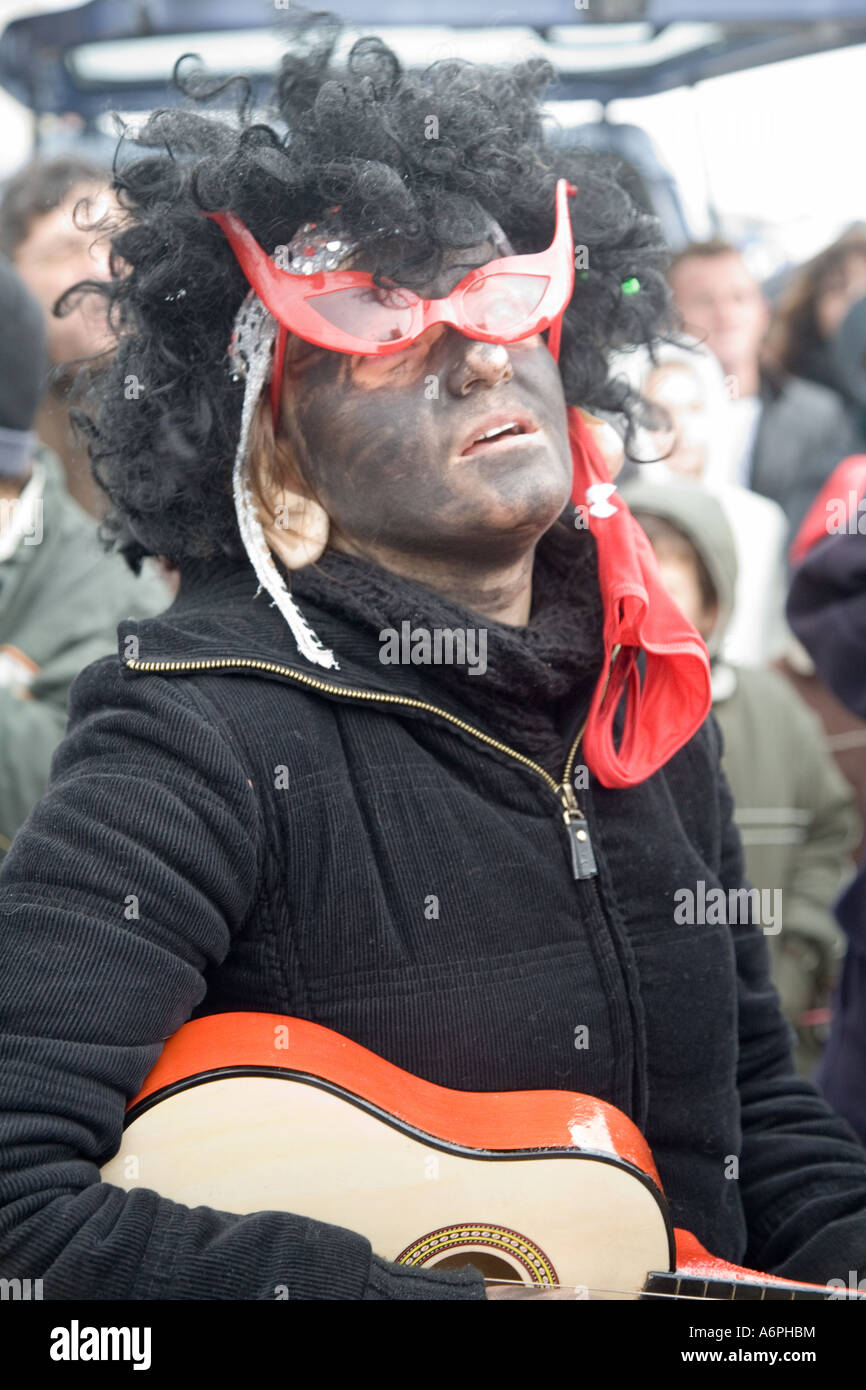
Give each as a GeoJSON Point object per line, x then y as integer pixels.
{"type": "Point", "coordinates": [743, 428]}
{"type": "Point", "coordinates": [743, 416]}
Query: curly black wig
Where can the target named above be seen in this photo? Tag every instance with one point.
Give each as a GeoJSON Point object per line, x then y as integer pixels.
{"type": "Point", "coordinates": [163, 417]}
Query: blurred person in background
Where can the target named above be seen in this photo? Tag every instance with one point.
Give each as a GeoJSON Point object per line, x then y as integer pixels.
{"type": "Point", "coordinates": [61, 595]}
{"type": "Point", "coordinates": [819, 332]}
{"type": "Point", "coordinates": [788, 434]}
{"type": "Point", "coordinates": [49, 228]}
{"type": "Point", "coordinates": [693, 443]}
{"type": "Point", "coordinates": [827, 610]}
{"type": "Point", "coordinates": [819, 328]}
{"type": "Point", "coordinates": [794, 810]}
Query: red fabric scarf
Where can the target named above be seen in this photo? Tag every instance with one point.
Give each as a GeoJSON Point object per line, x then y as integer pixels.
{"type": "Point", "coordinates": [665, 710]}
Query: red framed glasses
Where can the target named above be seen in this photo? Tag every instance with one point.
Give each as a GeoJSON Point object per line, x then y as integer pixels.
{"type": "Point", "coordinates": [504, 301]}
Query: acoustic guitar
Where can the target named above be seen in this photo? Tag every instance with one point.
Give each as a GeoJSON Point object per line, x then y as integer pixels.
{"type": "Point", "coordinates": [250, 1112]}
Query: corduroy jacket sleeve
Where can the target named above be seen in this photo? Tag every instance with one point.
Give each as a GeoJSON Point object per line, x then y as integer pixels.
{"type": "Point", "coordinates": [801, 1170]}
{"type": "Point", "coordinates": [122, 888]}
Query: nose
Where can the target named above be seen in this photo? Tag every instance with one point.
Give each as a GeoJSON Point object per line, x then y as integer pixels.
{"type": "Point", "coordinates": [486, 364]}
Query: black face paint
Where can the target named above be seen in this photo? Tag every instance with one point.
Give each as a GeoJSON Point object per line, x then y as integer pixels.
{"type": "Point", "coordinates": [383, 441]}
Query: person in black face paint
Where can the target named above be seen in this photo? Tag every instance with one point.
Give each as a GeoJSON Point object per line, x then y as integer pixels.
{"type": "Point", "coordinates": [386, 463]}
{"type": "Point", "coordinates": [251, 811]}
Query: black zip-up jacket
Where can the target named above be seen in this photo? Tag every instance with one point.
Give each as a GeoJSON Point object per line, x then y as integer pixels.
{"type": "Point", "coordinates": [282, 828]}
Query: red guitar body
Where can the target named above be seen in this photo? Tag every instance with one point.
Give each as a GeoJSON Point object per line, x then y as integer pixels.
{"type": "Point", "coordinates": [249, 1111]}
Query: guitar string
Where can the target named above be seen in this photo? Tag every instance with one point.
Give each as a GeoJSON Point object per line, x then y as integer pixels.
{"type": "Point", "coordinates": [629, 1293]}
{"type": "Point", "coordinates": [843, 1295]}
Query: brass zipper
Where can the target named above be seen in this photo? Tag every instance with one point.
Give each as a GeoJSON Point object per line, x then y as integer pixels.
{"type": "Point", "coordinates": [582, 858]}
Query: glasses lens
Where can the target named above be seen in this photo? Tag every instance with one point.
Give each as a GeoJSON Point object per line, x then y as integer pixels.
{"type": "Point", "coordinates": [379, 315]}
{"type": "Point", "coordinates": [500, 302]}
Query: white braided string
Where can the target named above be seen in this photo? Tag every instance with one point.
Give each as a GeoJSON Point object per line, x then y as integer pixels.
{"type": "Point", "coordinates": [250, 355]}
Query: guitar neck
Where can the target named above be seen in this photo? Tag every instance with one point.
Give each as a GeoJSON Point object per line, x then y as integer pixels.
{"type": "Point", "coordinates": [677, 1285]}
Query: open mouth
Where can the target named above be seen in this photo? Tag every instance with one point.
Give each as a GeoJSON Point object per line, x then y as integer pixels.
{"type": "Point", "coordinates": [498, 433]}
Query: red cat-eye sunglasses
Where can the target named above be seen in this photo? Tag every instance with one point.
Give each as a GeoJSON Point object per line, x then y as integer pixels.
{"type": "Point", "coordinates": [503, 301]}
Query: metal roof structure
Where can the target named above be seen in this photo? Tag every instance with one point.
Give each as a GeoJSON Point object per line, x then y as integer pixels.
{"type": "Point", "coordinates": [118, 54]}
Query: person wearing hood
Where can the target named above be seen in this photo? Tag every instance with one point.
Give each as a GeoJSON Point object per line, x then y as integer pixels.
{"type": "Point", "coordinates": [795, 812]}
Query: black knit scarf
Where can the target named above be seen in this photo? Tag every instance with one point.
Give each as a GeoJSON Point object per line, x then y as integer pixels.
{"type": "Point", "coordinates": [539, 679]}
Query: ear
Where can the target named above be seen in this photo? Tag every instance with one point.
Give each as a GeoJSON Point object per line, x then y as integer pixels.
{"type": "Point", "coordinates": [708, 620]}
{"type": "Point", "coordinates": [295, 525]}
{"type": "Point", "coordinates": [607, 441]}
{"type": "Point", "coordinates": [766, 312]}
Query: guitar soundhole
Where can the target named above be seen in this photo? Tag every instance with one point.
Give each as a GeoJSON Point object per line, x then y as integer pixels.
{"type": "Point", "coordinates": [491, 1266]}
{"type": "Point", "coordinates": [497, 1251]}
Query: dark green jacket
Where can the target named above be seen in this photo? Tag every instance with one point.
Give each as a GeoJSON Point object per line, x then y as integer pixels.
{"type": "Point", "coordinates": [61, 598]}
{"type": "Point", "coordinates": [797, 820]}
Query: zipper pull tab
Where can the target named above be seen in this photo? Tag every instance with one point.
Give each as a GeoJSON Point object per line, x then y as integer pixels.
{"type": "Point", "coordinates": [582, 857]}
